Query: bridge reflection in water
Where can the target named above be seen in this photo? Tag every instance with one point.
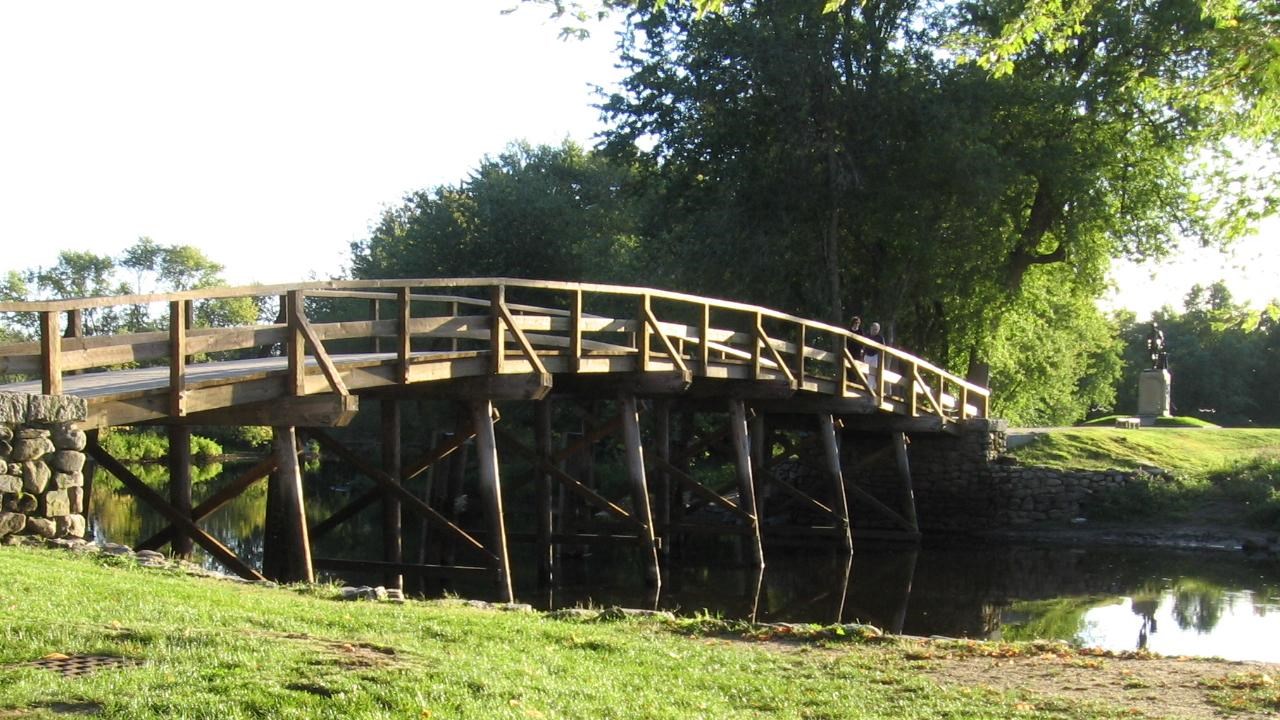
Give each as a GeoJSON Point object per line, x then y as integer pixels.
{"type": "Point", "coordinates": [695, 400]}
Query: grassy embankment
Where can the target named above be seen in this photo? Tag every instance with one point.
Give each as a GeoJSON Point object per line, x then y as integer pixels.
{"type": "Point", "coordinates": [216, 649]}
{"type": "Point", "coordinates": [1234, 466]}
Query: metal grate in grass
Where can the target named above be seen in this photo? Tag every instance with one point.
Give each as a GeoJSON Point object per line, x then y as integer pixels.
{"type": "Point", "coordinates": [72, 666]}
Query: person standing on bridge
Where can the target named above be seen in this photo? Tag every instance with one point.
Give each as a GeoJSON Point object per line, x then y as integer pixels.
{"type": "Point", "coordinates": [858, 350]}
{"type": "Point", "coordinates": [873, 354]}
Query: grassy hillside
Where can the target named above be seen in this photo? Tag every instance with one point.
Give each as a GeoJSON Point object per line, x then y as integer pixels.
{"type": "Point", "coordinates": [216, 649]}
{"type": "Point", "coordinates": [1232, 474]}
{"type": "Point", "coordinates": [1192, 451]}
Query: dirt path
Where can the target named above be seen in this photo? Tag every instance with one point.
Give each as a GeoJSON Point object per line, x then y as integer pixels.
{"type": "Point", "coordinates": [1152, 687]}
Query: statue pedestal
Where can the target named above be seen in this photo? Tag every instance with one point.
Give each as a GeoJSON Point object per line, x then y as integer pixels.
{"type": "Point", "coordinates": [1153, 395]}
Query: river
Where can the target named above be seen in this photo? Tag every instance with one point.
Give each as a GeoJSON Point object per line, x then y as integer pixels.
{"type": "Point", "coordinates": [1169, 601]}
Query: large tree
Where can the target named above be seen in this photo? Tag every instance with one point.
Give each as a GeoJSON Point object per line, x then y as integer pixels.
{"type": "Point", "coordinates": [857, 160]}
{"type": "Point", "coordinates": [538, 212]}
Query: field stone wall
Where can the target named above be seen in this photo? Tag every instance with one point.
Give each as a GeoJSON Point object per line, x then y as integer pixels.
{"type": "Point", "coordinates": [967, 482]}
{"type": "Point", "coordinates": [41, 465]}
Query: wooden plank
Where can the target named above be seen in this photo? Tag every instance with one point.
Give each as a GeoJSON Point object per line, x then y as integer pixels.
{"type": "Point", "coordinates": [50, 354]}
{"type": "Point", "coordinates": [497, 335]}
{"type": "Point", "coordinates": [657, 327]}
{"type": "Point", "coordinates": [152, 498]}
{"type": "Point", "coordinates": [327, 367]}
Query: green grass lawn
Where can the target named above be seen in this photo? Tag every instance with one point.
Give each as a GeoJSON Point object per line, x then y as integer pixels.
{"type": "Point", "coordinates": [1178, 450]}
{"type": "Point", "coordinates": [217, 649]}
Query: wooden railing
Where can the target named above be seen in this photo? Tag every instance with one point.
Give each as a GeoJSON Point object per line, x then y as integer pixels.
{"type": "Point", "coordinates": [412, 331]}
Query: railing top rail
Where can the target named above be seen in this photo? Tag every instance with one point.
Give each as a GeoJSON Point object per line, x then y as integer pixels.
{"type": "Point", "coordinates": [362, 288]}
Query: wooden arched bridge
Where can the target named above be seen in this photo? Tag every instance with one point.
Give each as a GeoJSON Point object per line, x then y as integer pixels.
{"type": "Point", "coordinates": [745, 371]}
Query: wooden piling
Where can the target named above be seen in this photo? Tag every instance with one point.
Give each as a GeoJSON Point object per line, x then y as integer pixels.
{"type": "Point", "coordinates": [295, 543]}
{"type": "Point", "coordinates": [180, 483]}
{"type": "Point", "coordinates": [639, 488]}
{"type": "Point", "coordinates": [746, 480]}
{"type": "Point", "coordinates": [392, 519]}
{"type": "Point", "coordinates": [543, 441]}
{"type": "Point", "coordinates": [662, 479]}
{"type": "Point", "coordinates": [831, 457]}
{"type": "Point", "coordinates": [491, 487]}
{"type": "Point", "coordinates": [904, 474]}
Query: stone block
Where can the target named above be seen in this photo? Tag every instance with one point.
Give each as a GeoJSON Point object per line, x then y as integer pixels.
{"type": "Point", "coordinates": [55, 503]}
{"type": "Point", "coordinates": [13, 408]}
{"type": "Point", "coordinates": [10, 484]}
{"type": "Point", "coordinates": [6, 432]}
{"type": "Point", "coordinates": [25, 449]}
{"type": "Point", "coordinates": [69, 437]}
{"type": "Point", "coordinates": [5, 449]}
{"type": "Point", "coordinates": [35, 476]}
{"type": "Point", "coordinates": [11, 523]}
{"type": "Point", "coordinates": [69, 461]}
{"type": "Point", "coordinates": [75, 498]}
{"type": "Point", "coordinates": [63, 480]}
{"type": "Point", "coordinates": [15, 468]}
{"type": "Point", "coordinates": [72, 525]}
{"type": "Point", "coordinates": [43, 527]}
{"type": "Point", "coordinates": [52, 409]}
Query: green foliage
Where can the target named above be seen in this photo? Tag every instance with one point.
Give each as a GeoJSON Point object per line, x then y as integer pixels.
{"type": "Point", "coordinates": [140, 445]}
{"type": "Point", "coordinates": [1224, 359]}
{"type": "Point", "coordinates": [535, 212]}
{"type": "Point", "coordinates": [1054, 357]}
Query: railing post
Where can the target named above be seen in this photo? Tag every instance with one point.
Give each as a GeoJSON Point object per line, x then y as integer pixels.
{"type": "Point", "coordinates": [643, 331]}
{"type": "Point", "coordinates": [704, 335]}
{"type": "Point", "coordinates": [497, 334]}
{"type": "Point", "coordinates": [915, 373]}
{"type": "Point", "coordinates": [757, 339]}
{"type": "Point", "coordinates": [50, 353]}
{"type": "Point", "coordinates": [375, 315]}
{"type": "Point", "coordinates": [295, 344]}
{"type": "Point", "coordinates": [178, 357]}
{"type": "Point", "coordinates": [842, 362]}
{"type": "Point", "coordinates": [575, 332]}
{"type": "Point", "coordinates": [799, 361]}
{"type": "Point", "coordinates": [404, 346]}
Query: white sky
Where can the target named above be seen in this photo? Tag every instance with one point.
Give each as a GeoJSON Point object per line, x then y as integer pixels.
{"type": "Point", "coordinates": [272, 134]}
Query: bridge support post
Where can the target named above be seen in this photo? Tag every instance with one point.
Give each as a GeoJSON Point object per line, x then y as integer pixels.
{"type": "Point", "coordinates": [746, 479]}
{"type": "Point", "coordinates": [180, 483]}
{"type": "Point", "coordinates": [662, 443]}
{"type": "Point", "coordinates": [640, 489]}
{"type": "Point", "coordinates": [491, 488]}
{"type": "Point", "coordinates": [543, 440]}
{"type": "Point", "coordinates": [904, 473]}
{"type": "Point", "coordinates": [759, 452]}
{"type": "Point", "coordinates": [392, 521]}
{"type": "Point", "coordinates": [831, 456]}
{"type": "Point", "coordinates": [293, 553]}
